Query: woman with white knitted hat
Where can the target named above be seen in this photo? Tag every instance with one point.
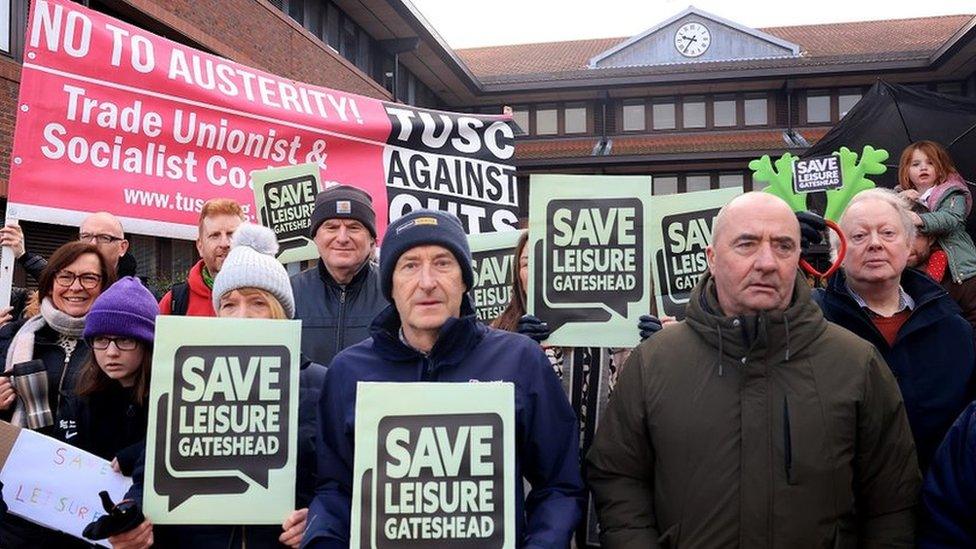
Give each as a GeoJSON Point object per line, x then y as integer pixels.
{"type": "Point", "coordinates": [253, 284]}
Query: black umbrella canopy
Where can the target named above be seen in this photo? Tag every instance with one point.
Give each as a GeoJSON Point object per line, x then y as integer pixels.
{"type": "Point", "coordinates": [892, 116]}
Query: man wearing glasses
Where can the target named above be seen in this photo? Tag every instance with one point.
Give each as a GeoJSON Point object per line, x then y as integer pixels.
{"type": "Point", "coordinates": [101, 229]}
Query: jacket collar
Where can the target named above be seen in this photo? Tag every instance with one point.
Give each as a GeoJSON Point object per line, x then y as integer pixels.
{"type": "Point", "coordinates": [455, 341]}
{"type": "Point", "coordinates": [357, 279]}
{"type": "Point", "coordinates": [776, 335]}
{"type": "Point", "coordinates": [932, 302]}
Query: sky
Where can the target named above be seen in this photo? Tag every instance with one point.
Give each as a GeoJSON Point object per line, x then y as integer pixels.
{"type": "Point", "coordinates": [473, 23]}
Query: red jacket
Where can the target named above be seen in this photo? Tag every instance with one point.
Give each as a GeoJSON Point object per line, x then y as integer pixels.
{"type": "Point", "coordinates": [201, 300]}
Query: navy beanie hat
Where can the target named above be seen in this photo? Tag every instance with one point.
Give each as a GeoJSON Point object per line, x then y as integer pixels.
{"type": "Point", "coordinates": [423, 228]}
{"type": "Point", "coordinates": [343, 202]}
{"type": "Point", "coordinates": [125, 309]}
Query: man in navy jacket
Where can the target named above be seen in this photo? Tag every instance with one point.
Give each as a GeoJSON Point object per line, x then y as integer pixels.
{"type": "Point", "coordinates": [911, 320]}
{"type": "Point", "coordinates": [430, 333]}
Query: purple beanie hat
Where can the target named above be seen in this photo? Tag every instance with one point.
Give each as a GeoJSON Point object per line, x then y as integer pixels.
{"type": "Point", "coordinates": [125, 309]}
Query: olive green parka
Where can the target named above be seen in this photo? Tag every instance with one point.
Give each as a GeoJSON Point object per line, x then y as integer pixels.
{"type": "Point", "coordinates": [773, 430]}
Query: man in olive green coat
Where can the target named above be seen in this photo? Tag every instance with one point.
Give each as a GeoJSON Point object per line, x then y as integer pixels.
{"type": "Point", "coordinates": [755, 422]}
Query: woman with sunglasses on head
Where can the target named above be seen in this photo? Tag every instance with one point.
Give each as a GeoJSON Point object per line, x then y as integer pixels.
{"type": "Point", "coordinates": [113, 387]}
{"type": "Point", "coordinates": [49, 349]}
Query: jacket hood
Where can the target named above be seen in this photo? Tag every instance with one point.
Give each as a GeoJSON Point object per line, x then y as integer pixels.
{"type": "Point", "coordinates": [952, 184]}
{"type": "Point", "coordinates": [776, 335]}
{"type": "Point", "coordinates": [456, 338]}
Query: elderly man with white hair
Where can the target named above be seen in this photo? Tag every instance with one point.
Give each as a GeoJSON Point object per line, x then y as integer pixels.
{"type": "Point", "coordinates": [911, 320]}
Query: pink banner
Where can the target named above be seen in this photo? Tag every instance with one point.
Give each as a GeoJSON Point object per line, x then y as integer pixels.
{"type": "Point", "coordinates": [112, 117]}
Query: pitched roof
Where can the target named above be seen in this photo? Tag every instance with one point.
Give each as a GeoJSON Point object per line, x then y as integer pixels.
{"type": "Point", "coordinates": [857, 42]}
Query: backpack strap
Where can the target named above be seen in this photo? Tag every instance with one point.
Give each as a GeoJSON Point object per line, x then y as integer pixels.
{"type": "Point", "coordinates": [180, 298]}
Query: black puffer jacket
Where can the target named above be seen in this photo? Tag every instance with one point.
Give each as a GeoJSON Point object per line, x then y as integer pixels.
{"type": "Point", "coordinates": [112, 425]}
{"type": "Point", "coordinates": [334, 316]}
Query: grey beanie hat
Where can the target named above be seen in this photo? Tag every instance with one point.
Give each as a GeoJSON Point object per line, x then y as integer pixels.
{"type": "Point", "coordinates": [251, 263]}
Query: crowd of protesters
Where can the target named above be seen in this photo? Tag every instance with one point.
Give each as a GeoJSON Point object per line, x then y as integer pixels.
{"type": "Point", "coordinates": [773, 415]}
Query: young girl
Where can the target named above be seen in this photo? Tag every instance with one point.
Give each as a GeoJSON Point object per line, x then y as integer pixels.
{"type": "Point", "coordinates": [926, 174]}
{"type": "Point", "coordinates": [113, 387]}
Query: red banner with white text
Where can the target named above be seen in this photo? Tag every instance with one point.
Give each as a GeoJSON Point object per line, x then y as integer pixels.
{"type": "Point", "coordinates": [111, 117]}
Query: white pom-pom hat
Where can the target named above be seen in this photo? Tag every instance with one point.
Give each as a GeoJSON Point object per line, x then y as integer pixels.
{"type": "Point", "coordinates": [251, 263]}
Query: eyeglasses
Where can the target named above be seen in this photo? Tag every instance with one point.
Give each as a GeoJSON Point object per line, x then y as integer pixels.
{"type": "Point", "coordinates": [88, 281]}
{"type": "Point", "coordinates": [100, 343]}
{"type": "Point", "coordinates": [100, 238]}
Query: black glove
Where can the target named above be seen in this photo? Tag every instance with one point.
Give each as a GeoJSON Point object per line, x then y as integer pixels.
{"type": "Point", "coordinates": [648, 326]}
{"type": "Point", "coordinates": [117, 518]}
{"type": "Point", "coordinates": [812, 228]}
{"type": "Point", "coordinates": [530, 325]}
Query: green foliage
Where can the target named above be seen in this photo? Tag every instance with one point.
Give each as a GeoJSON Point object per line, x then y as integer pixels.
{"type": "Point", "coordinates": [853, 173]}
{"type": "Point", "coordinates": [780, 179]}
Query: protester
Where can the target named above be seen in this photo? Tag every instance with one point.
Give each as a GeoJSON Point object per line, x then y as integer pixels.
{"type": "Point", "coordinates": [949, 492]}
{"type": "Point", "coordinates": [114, 381]}
{"type": "Point", "coordinates": [102, 229]}
{"type": "Point", "coordinates": [926, 256]}
{"type": "Point", "coordinates": [910, 319]}
{"type": "Point", "coordinates": [251, 284]}
{"type": "Point", "coordinates": [46, 353]}
{"type": "Point", "coordinates": [754, 422]}
{"type": "Point", "coordinates": [219, 219]}
{"type": "Point", "coordinates": [425, 272]}
{"type": "Point", "coordinates": [340, 296]}
{"type": "Point", "coordinates": [926, 174]}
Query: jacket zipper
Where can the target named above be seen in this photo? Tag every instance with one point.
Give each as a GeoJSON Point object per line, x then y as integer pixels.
{"type": "Point", "coordinates": [342, 319]}
{"type": "Point", "coordinates": [788, 444]}
{"type": "Point", "coordinates": [64, 371]}
{"type": "Point", "coordinates": [427, 369]}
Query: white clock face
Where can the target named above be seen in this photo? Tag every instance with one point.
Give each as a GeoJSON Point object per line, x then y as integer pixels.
{"type": "Point", "coordinates": [692, 39]}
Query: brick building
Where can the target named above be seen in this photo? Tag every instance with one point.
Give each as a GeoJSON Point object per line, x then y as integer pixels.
{"type": "Point", "coordinates": [689, 101]}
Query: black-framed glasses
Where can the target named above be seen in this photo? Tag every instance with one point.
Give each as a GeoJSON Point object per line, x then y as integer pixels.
{"type": "Point", "coordinates": [121, 343]}
{"type": "Point", "coordinates": [101, 238]}
{"type": "Point", "coordinates": [89, 281]}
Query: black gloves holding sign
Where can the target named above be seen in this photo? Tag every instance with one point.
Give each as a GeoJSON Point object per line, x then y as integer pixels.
{"type": "Point", "coordinates": [533, 327]}
{"type": "Point", "coordinates": [118, 518]}
{"type": "Point", "coordinates": [812, 228]}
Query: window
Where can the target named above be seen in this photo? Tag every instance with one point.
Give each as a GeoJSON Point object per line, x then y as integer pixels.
{"type": "Point", "coordinates": [756, 112]}
{"type": "Point", "coordinates": [698, 182]}
{"type": "Point", "coordinates": [575, 119]}
{"type": "Point", "coordinates": [665, 184]}
{"type": "Point", "coordinates": [5, 25]}
{"type": "Point", "coordinates": [693, 111]}
{"type": "Point", "coordinates": [634, 117]}
{"type": "Point", "coordinates": [663, 114]}
{"type": "Point", "coordinates": [846, 101]}
{"type": "Point", "coordinates": [545, 121]}
{"type": "Point", "coordinates": [332, 25]}
{"type": "Point", "coordinates": [730, 180]}
{"type": "Point", "coordinates": [952, 88]}
{"type": "Point", "coordinates": [520, 116]}
{"type": "Point", "coordinates": [818, 108]}
{"type": "Point", "coordinates": [723, 112]}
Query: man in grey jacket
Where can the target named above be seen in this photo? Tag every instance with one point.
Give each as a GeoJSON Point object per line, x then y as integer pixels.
{"type": "Point", "coordinates": [338, 298]}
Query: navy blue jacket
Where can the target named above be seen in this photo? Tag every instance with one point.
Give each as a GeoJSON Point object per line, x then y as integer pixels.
{"type": "Point", "coordinates": [333, 316]}
{"type": "Point", "coordinates": [310, 381]}
{"type": "Point", "coordinates": [546, 440]}
{"type": "Point", "coordinates": [949, 492]}
{"type": "Point", "coordinates": [932, 357]}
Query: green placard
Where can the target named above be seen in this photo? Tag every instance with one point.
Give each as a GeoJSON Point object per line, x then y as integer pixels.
{"type": "Point", "coordinates": [285, 198]}
{"type": "Point", "coordinates": [681, 229]}
{"type": "Point", "coordinates": [223, 420]}
{"type": "Point", "coordinates": [493, 265]}
{"type": "Point", "coordinates": [434, 466]}
{"type": "Point", "coordinates": [588, 247]}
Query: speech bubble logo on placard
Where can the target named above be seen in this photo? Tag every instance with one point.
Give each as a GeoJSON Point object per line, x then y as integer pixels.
{"type": "Point", "coordinates": [440, 481]}
{"type": "Point", "coordinates": [288, 210]}
{"type": "Point", "coordinates": [594, 250]}
{"type": "Point", "coordinates": [228, 413]}
{"type": "Point", "coordinates": [492, 289]}
{"type": "Point", "coordinates": [682, 262]}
